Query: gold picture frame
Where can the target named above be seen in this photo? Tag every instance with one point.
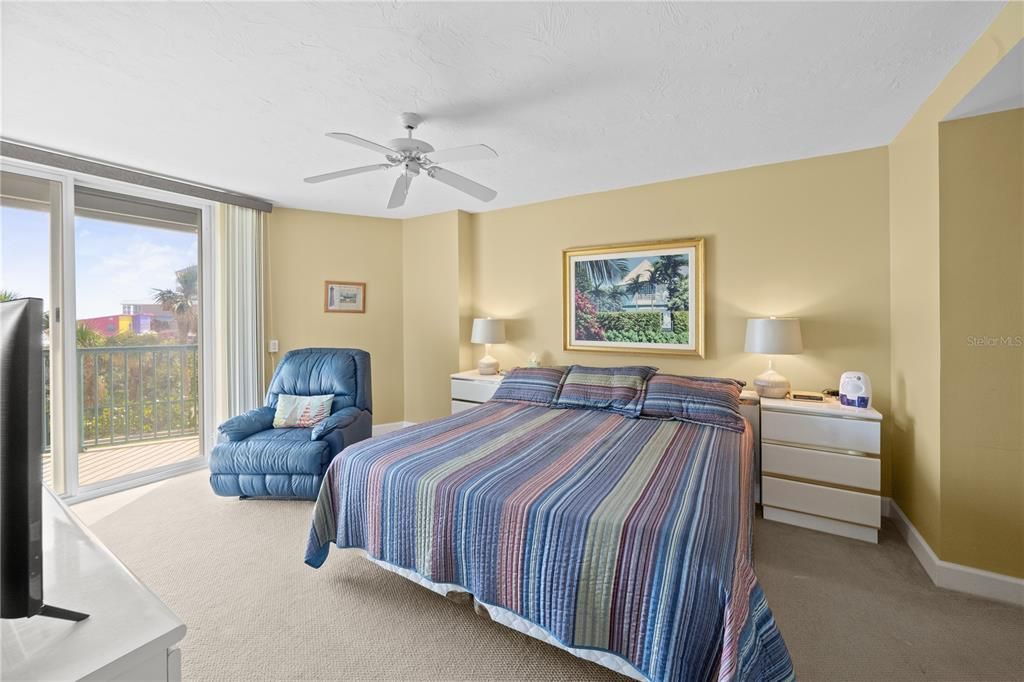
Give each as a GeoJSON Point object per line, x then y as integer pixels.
{"type": "Point", "coordinates": [344, 297]}
{"type": "Point", "coordinates": [623, 298]}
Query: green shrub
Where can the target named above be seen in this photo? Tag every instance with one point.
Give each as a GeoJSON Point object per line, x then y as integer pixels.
{"type": "Point", "coordinates": [647, 337]}
{"type": "Point", "coordinates": [630, 322]}
{"type": "Point", "coordinates": [681, 321]}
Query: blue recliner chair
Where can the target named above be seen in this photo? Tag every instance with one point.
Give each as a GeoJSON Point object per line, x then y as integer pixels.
{"type": "Point", "coordinates": [253, 459]}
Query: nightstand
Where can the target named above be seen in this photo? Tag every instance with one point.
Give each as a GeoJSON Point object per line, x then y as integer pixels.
{"type": "Point", "coordinates": [820, 466]}
{"type": "Point", "coordinates": [471, 388]}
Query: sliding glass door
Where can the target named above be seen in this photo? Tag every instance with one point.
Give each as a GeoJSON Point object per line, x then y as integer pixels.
{"type": "Point", "coordinates": [121, 277]}
{"type": "Point", "coordinates": [30, 228]}
{"type": "Point", "coordinates": [137, 343]}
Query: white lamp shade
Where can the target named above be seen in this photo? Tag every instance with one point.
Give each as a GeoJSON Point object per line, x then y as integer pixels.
{"type": "Point", "coordinates": [488, 331]}
{"type": "Point", "coordinates": [774, 336]}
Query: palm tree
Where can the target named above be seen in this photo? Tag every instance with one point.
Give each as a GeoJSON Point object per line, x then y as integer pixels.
{"type": "Point", "coordinates": [606, 271]}
{"type": "Point", "coordinates": [597, 294]}
{"type": "Point", "coordinates": [615, 294]}
{"type": "Point", "coordinates": [634, 287]}
{"type": "Point", "coordinates": [666, 271]}
{"type": "Point", "coordinates": [87, 338]}
{"type": "Point", "coordinates": [183, 301]}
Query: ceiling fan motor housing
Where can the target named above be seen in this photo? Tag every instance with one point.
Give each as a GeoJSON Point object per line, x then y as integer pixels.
{"type": "Point", "coordinates": [410, 145]}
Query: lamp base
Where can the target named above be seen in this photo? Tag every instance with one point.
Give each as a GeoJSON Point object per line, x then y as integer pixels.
{"type": "Point", "coordinates": [771, 384]}
{"type": "Point", "coordinates": [487, 365]}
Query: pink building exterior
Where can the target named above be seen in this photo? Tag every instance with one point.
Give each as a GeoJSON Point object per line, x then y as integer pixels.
{"type": "Point", "coordinates": [162, 323]}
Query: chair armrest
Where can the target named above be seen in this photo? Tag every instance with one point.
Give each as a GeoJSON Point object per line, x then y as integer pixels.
{"type": "Point", "coordinates": [338, 420]}
{"type": "Point", "coordinates": [244, 425]}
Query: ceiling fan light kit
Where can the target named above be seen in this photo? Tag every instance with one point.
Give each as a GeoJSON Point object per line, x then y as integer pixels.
{"type": "Point", "coordinates": [414, 156]}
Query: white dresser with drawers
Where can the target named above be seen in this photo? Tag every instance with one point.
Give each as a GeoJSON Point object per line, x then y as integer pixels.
{"type": "Point", "coordinates": [820, 466]}
{"type": "Point", "coordinates": [471, 388]}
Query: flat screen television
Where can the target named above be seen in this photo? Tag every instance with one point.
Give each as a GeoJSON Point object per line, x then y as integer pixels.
{"type": "Point", "coordinates": [21, 452]}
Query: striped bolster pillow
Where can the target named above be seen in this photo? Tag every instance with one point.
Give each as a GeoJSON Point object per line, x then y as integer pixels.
{"type": "Point", "coordinates": [616, 389]}
{"type": "Point", "coordinates": [534, 385]}
{"type": "Point", "coordinates": [704, 400]}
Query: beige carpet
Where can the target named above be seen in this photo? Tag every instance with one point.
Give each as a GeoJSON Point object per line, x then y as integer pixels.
{"type": "Point", "coordinates": [233, 571]}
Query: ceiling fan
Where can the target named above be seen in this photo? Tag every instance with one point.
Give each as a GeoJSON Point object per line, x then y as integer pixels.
{"type": "Point", "coordinates": [414, 156]}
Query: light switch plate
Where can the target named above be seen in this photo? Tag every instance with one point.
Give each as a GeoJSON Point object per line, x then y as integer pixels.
{"type": "Point", "coordinates": [273, 346]}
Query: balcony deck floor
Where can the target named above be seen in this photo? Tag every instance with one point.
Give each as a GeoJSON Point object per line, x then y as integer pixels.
{"type": "Point", "coordinates": [105, 463]}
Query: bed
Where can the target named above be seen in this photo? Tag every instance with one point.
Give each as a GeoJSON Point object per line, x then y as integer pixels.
{"type": "Point", "coordinates": [620, 539]}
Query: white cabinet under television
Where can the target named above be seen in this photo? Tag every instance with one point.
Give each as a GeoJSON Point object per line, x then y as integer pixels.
{"type": "Point", "coordinates": [129, 635]}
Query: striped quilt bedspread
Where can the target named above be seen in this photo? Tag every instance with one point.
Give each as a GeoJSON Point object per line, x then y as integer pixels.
{"type": "Point", "coordinates": [631, 536]}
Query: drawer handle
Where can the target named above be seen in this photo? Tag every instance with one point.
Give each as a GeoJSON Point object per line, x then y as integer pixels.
{"type": "Point", "coordinates": [823, 448]}
{"type": "Point", "coordinates": [823, 484]}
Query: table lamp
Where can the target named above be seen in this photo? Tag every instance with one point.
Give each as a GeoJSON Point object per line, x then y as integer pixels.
{"type": "Point", "coordinates": [773, 336]}
{"type": "Point", "coordinates": [488, 331]}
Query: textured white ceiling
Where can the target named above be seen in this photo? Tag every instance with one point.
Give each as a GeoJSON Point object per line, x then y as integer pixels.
{"type": "Point", "coordinates": [575, 98]}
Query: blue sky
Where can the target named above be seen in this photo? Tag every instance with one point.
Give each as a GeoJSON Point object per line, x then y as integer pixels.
{"type": "Point", "coordinates": [114, 262]}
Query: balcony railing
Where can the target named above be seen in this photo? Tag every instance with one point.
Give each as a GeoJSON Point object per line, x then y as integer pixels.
{"type": "Point", "coordinates": [137, 393]}
{"type": "Point", "coordinates": [129, 394]}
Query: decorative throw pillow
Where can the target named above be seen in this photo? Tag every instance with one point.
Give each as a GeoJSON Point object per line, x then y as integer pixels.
{"type": "Point", "coordinates": [616, 389]}
{"type": "Point", "coordinates": [703, 400]}
{"type": "Point", "coordinates": [301, 411]}
{"type": "Point", "coordinates": [534, 385]}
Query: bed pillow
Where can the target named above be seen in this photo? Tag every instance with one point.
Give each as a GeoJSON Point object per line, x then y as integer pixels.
{"type": "Point", "coordinates": [301, 411]}
{"type": "Point", "coordinates": [534, 385]}
{"type": "Point", "coordinates": [616, 389]}
{"type": "Point", "coordinates": [703, 400]}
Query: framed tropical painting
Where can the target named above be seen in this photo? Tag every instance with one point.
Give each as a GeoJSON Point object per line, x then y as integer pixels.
{"type": "Point", "coordinates": [635, 298]}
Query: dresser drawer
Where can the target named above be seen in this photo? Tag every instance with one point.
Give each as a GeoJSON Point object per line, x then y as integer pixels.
{"type": "Point", "coordinates": [841, 505]}
{"type": "Point", "coordinates": [459, 406]}
{"type": "Point", "coordinates": [473, 391]}
{"type": "Point", "coordinates": [855, 471]}
{"type": "Point", "coordinates": [859, 435]}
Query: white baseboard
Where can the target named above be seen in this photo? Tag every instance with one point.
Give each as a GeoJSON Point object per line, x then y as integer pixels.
{"type": "Point", "coordinates": [381, 429]}
{"type": "Point", "coordinates": [952, 576]}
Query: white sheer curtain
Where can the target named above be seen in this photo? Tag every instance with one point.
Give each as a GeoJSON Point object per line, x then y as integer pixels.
{"type": "Point", "coordinates": [238, 283]}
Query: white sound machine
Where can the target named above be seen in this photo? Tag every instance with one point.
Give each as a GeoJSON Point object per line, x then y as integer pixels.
{"type": "Point", "coordinates": [855, 389]}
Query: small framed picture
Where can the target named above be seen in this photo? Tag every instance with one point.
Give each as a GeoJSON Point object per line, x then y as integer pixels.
{"type": "Point", "coordinates": [344, 297]}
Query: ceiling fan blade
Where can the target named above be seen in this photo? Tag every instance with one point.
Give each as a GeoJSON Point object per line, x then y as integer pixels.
{"type": "Point", "coordinates": [345, 173]}
{"type": "Point", "coordinates": [472, 152]}
{"type": "Point", "coordinates": [473, 189]}
{"type": "Point", "coordinates": [400, 192]}
{"type": "Point", "coordinates": [360, 142]}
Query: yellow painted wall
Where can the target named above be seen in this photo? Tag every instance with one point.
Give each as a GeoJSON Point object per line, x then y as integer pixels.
{"type": "Point", "coordinates": [914, 240]}
{"type": "Point", "coordinates": [850, 243]}
{"type": "Point", "coordinates": [915, 306]}
{"type": "Point", "coordinates": [435, 301]}
{"type": "Point", "coordinates": [466, 270]}
{"type": "Point", "coordinates": [305, 248]}
{"type": "Point", "coordinates": [807, 238]}
{"type": "Point", "coordinates": [981, 182]}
